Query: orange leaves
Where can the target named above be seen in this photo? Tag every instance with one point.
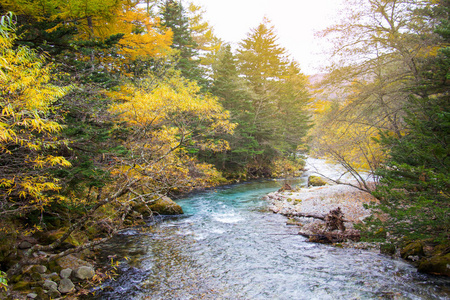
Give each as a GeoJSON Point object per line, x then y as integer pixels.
{"type": "Point", "coordinates": [142, 34]}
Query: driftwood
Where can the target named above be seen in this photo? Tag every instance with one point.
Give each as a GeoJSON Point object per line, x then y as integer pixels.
{"type": "Point", "coordinates": [334, 231]}
{"type": "Point", "coordinates": [285, 187]}
{"type": "Point", "coordinates": [335, 220]}
{"type": "Point", "coordinates": [306, 215]}
{"type": "Point", "coordinates": [333, 237]}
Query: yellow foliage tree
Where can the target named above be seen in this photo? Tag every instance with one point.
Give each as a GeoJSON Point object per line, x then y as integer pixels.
{"type": "Point", "coordinates": [28, 137]}
{"type": "Point", "coordinates": [169, 120]}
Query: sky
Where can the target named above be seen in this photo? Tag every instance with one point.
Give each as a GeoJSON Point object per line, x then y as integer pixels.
{"type": "Point", "coordinates": [295, 23]}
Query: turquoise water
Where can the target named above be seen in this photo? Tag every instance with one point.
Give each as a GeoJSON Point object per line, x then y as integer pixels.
{"type": "Point", "coordinates": [229, 246]}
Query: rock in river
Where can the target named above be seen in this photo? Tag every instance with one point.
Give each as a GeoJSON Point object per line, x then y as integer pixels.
{"type": "Point", "coordinates": [166, 206]}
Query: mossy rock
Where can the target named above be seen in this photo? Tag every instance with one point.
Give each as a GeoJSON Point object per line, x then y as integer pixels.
{"type": "Point", "coordinates": [316, 181]}
{"type": "Point", "coordinates": [72, 262]}
{"type": "Point", "coordinates": [412, 249]}
{"type": "Point", "coordinates": [48, 237]}
{"type": "Point", "coordinates": [166, 206]}
{"type": "Point", "coordinates": [438, 265]}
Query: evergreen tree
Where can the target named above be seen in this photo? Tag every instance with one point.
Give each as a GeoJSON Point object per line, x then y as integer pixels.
{"type": "Point", "coordinates": [173, 16]}
{"type": "Point", "coordinates": [235, 97]}
{"type": "Point", "coordinates": [276, 98]}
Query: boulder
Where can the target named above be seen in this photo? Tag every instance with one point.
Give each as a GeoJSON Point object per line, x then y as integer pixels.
{"type": "Point", "coordinates": [39, 269]}
{"type": "Point", "coordinates": [50, 285]}
{"type": "Point", "coordinates": [83, 272]}
{"type": "Point", "coordinates": [438, 265]}
{"type": "Point", "coordinates": [72, 262]}
{"type": "Point", "coordinates": [316, 181]}
{"type": "Point", "coordinates": [411, 250]}
{"type": "Point", "coordinates": [166, 206]}
{"type": "Point", "coordinates": [66, 286]}
{"type": "Point", "coordinates": [25, 245]}
{"type": "Point", "coordinates": [65, 273]}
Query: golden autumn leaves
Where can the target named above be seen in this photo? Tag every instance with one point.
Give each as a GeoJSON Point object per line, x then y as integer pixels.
{"type": "Point", "coordinates": [25, 131]}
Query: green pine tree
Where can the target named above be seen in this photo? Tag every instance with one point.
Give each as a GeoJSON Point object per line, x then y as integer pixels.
{"type": "Point", "coordinates": [173, 16]}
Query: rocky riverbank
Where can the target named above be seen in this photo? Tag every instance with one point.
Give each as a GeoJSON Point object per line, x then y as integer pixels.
{"type": "Point", "coordinates": [71, 275]}
{"type": "Point", "coordinates": [309, 209]}
{"type": "Point", "coordinates": [313, 209]}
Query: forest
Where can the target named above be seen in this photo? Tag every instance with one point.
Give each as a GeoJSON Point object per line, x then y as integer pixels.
{"type": "Point", "coordinates": [109, 105]}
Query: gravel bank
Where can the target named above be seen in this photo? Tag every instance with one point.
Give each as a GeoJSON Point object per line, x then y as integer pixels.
{"type": "Point", "coordinates": [320, 200]}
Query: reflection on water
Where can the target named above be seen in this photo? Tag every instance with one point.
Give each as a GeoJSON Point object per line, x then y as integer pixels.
{"type": "Point", "coordinates": [230, 247]}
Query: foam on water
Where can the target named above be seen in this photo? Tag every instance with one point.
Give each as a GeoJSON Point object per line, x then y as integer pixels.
{"type": "Point", "coordinates": [231, 247]}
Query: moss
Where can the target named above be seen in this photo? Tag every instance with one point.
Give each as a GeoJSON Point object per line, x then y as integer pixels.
{"type": "Point", "coordinates": [16, 278]}
{"type": "Point", "coordinates": [412, 249]}
{"type": "Point", "coordinates": [22, 286]}
{"type": "Point", "coordinates": [438, 265]}
{"type": "Point", "coordinates": [166, 206]}
{"type": "Point", "coordinates": [53, 266]}
{"type": "Point", "coordinates": [316, 181]}
{"type": "Point", "coordinates": [388, 248]}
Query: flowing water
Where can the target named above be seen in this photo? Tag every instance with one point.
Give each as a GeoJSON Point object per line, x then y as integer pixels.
{"type": "Point", "coordinates": [229, 246]}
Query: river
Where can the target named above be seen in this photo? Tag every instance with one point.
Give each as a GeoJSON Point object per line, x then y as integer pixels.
{"type": "Point", "coordinates": [229, 246]}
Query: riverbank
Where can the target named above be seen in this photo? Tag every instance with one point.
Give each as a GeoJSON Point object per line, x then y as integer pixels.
{"type": "Point", "coordinates": [308, 207]}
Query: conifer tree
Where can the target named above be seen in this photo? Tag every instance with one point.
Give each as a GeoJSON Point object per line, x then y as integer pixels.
{"type": "Point", "coordinates": [173, 16]}
{"type": "Point", "coordinates": [265, 67]}
{"type": "Point", "coordinates": [236, 97]}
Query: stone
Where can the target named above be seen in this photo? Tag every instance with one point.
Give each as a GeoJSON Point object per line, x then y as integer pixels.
{"type": "Point", "coordinates": [32, 295]}
{"type": "Point", "coordinates": [72, 262]}
{"type": "Point", "coordinates": [437, 265]}
{"type": "Point", "coordinates": [65, 273]}
{"type": "Point", "coordinates": [83, 272]}
{"type": "Point", "coordinates": [52, 276]}
{"type": "Point", "coordinates": [316, 181]}
{"type": "Point", "coordinates": [39, 269]}
{"type": "Point", "coordinates": [53, 294]}
{"type": "Point", "coordinates": [50, 285]}
{"type": "Point", "coordinates": [412, 250]}
{"type": "Point", "coordinates": [25, 245]}
{"type": "Point", "coordinates": [66, 286]}
{"type": "Point", "coordinates": [166, 206]}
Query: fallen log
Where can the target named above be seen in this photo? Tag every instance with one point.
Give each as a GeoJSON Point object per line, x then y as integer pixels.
{"type": "Point", "coordinates": [333, 237]}
{"type": "Point", "coordinates": [306, 215]}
